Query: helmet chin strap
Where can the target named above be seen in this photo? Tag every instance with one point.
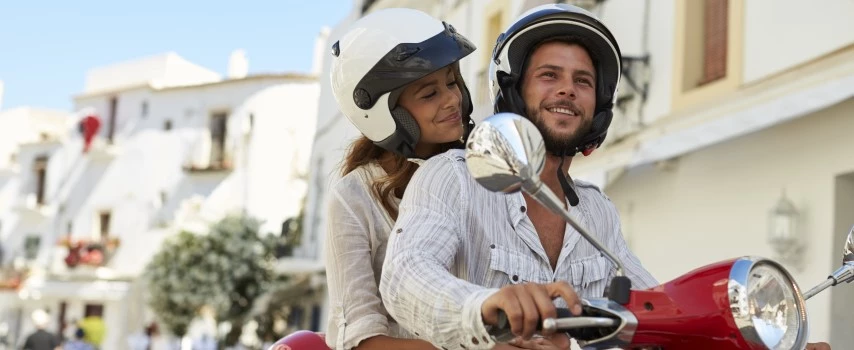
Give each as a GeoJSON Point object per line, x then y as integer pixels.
{"type": "Point", "coordinates": [568, 191]}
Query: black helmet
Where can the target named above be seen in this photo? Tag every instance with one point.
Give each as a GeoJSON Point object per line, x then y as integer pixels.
{"type": "Point", "coordinates": [515, 45]}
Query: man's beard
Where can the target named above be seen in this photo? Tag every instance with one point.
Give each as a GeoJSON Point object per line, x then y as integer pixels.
{"type": "Point", "coordinates": [555, 143]}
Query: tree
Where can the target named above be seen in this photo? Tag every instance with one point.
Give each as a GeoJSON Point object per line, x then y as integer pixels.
{"type": "Point", "coordinates": [172, 282]}
{"type": "Point", "coordinates": [226, 269]}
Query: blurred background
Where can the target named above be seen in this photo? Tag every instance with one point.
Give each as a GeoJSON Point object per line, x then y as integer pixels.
{"type": "Point", "coordinates": [164, 166]}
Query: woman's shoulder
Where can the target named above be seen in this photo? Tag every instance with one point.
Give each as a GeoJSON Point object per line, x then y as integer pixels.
{"type": "Point", "coordinates": [357, 184]}
{"type": "Point", "coordinates": [364, 175]}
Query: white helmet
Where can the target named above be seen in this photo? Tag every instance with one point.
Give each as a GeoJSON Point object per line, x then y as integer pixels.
{"type": "Point", "coordinates": [383, 52]}
{"type": "Point", "coordinates": [514, 46]}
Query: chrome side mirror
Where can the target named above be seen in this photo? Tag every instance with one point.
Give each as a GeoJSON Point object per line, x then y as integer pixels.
{"type": "Point", "coordinates": [505, 152]}
{"type": "Point", "coordinates": [848, 249]}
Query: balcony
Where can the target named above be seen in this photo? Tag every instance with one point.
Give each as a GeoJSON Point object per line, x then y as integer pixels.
{"type": "Point", "coordinates": [11, 278]}
{"type": "Point", "coordinates": [208, 156]}
{"type": "Point", "coordinates": [28, 204]}
{"type": "Point", "coordinates": [104, 151]}
{"type": "Point", "coordinates": [220, 167]}
{"type": "Point", "coordinates": [91, 253]}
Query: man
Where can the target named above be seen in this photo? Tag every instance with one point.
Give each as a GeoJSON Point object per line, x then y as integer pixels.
{"type": "Point", "coordinates": [41, 339]}
{"type": "Point", "coordinates": [459, 253]}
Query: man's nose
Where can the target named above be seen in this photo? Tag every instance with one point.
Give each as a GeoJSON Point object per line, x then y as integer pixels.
{"type": "Point", "coordinates": [567, 90]}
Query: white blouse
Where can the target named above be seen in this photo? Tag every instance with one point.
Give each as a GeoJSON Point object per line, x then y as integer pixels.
{"type": "Point", "coordinates": [358, 231]}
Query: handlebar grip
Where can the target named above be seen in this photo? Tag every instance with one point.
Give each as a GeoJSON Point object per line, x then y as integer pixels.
{"type": "Point", "coordinates": [503, 323]}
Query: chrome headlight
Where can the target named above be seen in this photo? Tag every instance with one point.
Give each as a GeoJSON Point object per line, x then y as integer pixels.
{"type": "Point", "coordinates": [767, 304]}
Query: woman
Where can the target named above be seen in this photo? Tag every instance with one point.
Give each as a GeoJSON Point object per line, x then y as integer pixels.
{"type": "Point", "coordinates": [396, 77]}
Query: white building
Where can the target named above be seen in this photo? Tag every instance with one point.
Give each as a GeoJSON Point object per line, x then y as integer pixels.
{"type": "Point", "coordinates": [178, 148]}
{"type": "Point", "coordinates": [708, 130]}
{"type": "Point", "coordinates": [733, 119]}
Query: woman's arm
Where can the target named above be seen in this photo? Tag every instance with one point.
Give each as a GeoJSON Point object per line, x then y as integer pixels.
{"type": "Point", "coordinates": [358, 318]}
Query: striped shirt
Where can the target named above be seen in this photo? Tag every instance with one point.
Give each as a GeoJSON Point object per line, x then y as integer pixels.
{"type": "Point", "coordinates": [455, 243]}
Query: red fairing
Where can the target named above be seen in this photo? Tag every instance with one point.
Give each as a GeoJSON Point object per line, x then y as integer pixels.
{"type": "Point", "coordinates": [690, 312]}
{"type": "Point", "coordinates": [301, 340]}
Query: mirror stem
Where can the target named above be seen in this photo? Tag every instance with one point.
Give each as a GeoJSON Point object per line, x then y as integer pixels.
{"type": "Point", "coordinates": [817, 289]}
{"type": "Point", "coordinates": [841, 275]}
{"type": "Point", "coordinates": [546, 197]}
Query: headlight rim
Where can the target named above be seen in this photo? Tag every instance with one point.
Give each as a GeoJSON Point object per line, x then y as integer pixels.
{"type": "Point", "coordinates": [738, 293]}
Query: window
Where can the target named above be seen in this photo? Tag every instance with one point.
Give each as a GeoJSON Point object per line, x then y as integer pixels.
{"type": "Point", "coordinates": [706, 41]}
{"type": "Point", "coordinates": [707, 46]}
{"type": "Point", "coordinates": [296, 316]}
{"type": "Point", "coordinates": [218, 132]}
{"type": "Point", "coordinates": [167, 125]}
{"type": "Point", "coordinates": [63, 306]}
{"type": "Point", "coordinates": [93, 310]}
{"type": "Point", "coordinates": [715, 43]}
{"type": "Point", "coordinates": [31, 246]}
{"type": "Point", "coordinates": [40, 170]}
{"type": "Point", "coordinates": [315, 318]}
{"type": "Point", "coordinates": [104, 224]}
{"type": "Point", "coordinates": [111, 124]}
{"type": "Point", "coordinates": [144, 109]}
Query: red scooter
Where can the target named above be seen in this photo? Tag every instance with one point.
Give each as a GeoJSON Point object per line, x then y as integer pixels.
{"type": "Point", "coordinates": [742, 303]}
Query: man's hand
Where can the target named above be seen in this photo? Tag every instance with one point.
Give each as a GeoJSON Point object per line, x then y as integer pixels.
{"type": "Point", "coordinates": [818, 346]}
{"type": "Point", "coordinates": [525, 305]}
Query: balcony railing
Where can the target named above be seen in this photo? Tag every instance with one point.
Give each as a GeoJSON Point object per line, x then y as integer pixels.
{"type": "Point", "coordinates": [11, 278]}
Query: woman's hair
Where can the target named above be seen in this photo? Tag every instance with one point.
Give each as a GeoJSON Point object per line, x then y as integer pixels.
{"type": "Point", "coordinates": [399, 170]}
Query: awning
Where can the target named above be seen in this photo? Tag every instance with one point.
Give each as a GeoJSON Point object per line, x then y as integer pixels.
{"type": "Point", "coordinates": [38, 288]}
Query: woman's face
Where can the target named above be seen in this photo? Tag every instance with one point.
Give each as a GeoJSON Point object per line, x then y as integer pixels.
{"type": "Point", "coordinates": [435, 101]}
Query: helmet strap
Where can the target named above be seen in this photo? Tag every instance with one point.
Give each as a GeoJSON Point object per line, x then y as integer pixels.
{"type": "Point", "coordinates": [568, 191]}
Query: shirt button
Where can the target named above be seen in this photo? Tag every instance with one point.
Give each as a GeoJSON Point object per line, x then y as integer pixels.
{"type": "Point", "coordinates": [485, 339]}
{"type": "Point", "coordinates": [399, 230]}
{"type": "Point", "coordinates": [492, 246]}
{"type": "Point", "coordinates": [523, 209]}
{"type": "Point", "coordinates": [515, 278]}
{"type": "Point", "coordinates": [474, 340]}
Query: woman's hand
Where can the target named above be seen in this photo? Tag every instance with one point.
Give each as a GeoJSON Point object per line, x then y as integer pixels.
{"type": "Point", "coordinates": [558, 341]}
{"type": "Point", "coordinates": [818, 346]}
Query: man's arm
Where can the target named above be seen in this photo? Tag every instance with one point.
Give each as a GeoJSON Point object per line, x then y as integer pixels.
{"type": "Point", "coordinates": [417, 286]}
